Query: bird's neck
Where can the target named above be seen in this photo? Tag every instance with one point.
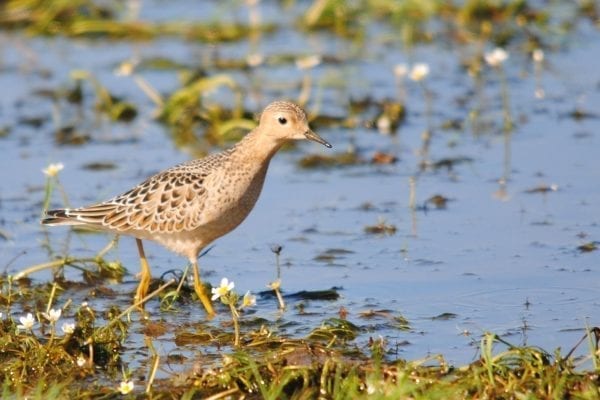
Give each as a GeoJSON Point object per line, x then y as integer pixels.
{"type": "Point", "coordinates": [258, 146]}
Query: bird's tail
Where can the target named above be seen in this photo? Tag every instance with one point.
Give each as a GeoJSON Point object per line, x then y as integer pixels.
{"type": "Point", "coordinates": [60, 217]}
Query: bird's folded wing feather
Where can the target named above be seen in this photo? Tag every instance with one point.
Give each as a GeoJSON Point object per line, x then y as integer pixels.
{"type": "Point", "coordinates": [165, 203]}
{"type": "Point", "coordinates": [171, 201]}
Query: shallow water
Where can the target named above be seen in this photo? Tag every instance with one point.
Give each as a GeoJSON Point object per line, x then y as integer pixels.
{"type": "Point", "coordinates": [502, 262]}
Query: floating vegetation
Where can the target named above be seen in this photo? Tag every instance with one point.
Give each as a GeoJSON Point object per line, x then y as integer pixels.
{"type": "Point", "coordinates": [99, 166]}
{"type": "Point", "coordinates": [184, 110]}
{"type": "Point", "coordinates": [542, 189]}
{"type": "Point", "coordinates": [335, 329]}
{"type": "Point", "coordinates": [71, 136]}
{"type": "Point", "coordinates": [449, 163]}
{"type": "Point", "coordinates": [322, 295]}
{"type": "Point", "coordinates": [588, 247]}
{"type": "Point", "coordinates": [5, 131]}
{"type": "Point", "coordinates": [34, 122]}
{"type": "Point", "coordinates": [391, 117]}
{"type": "Point", "coordinates": [578, 114]}
{"type": "Point", "coordinates": [331, 255]}
{"type": "Point", "coordinates": [438, 201]}
{"type": "Point", "coordinates": [325, 161]}
{"type": "Point", "coordinates": [399, 321]}
{"type": "Point", "coordinates": [453, 124]}
{"type": "Point", "coordinates": [113, 106]}
{"type": "Point", "coordinates": [383, 158]}
{"type": "Point", "coordinates": [325, 295]}
{"type": "Point", "coordinates": [161, 64]}
{"type": "Point", "coordinates": [381, 228]}
{"type": "Point", "coordinates": [88, 18]}
{"type": "Point", "coordinates": [424, 21]}
{"type": "Point", "coordinates": [445, 316]}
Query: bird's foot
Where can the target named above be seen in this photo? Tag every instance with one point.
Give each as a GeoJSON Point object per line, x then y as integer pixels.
{"type": "Point", "coordinates": [142, 291]}
{"type": "Point", "coordinates": [199, 289]}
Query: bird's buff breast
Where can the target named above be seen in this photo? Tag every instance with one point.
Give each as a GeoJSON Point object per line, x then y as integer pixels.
{"type": "Point", "coordinates": [231, 195]}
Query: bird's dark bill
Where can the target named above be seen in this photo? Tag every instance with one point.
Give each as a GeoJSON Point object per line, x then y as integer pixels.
{"type": "Point", "coordinates": [310, 135]}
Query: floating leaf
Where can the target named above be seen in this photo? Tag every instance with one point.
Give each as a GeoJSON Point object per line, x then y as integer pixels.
{"type": "Point", "coordinates": [324, 161]}
{"type": "Point", "coordinates": [99, 166]}
{"type": "Point", "coordinates": [383, 158]}
{"type": "Point", "coordinates": [438, 201]}
{"type": "Point", "coordinates": [444, 316]}
{"type": "Point", "coordinates": [588, 247]}
{"type": "Point", "coordinates": [542, 189]}
{"type": "Point", "coordinates": [335, 328]}
{"type": "Point", "coordinates": [381, 228]}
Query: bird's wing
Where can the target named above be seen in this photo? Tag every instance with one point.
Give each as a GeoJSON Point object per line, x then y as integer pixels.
{"type": "Point", "coordinates": [166, 203]}
{"type": "Point", "coordinates": [171, 201]}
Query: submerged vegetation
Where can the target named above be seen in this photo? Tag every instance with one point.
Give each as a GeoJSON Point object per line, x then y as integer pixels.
{"type": "Point", "coordinates": [56, 344]}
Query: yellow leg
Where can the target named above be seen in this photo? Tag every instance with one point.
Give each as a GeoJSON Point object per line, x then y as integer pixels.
{"type": "Point", "coordinates": [145, 274]}
{"type": "Point", "coordinates": [199, 288]}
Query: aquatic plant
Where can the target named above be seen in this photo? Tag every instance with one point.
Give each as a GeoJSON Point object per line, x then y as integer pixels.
{"type": "Point", "coordinates": [495, 59]}
{"type": "Point", "coordinates": [126, 387]}
{"type": "Point", "coordinates": [112, 106]}
{"type": "Point", "coordinates": [229, 297]}
{"type": "Point", "coordinates": [51, 172]}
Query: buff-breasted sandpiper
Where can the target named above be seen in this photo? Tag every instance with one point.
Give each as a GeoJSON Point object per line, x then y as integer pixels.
{"type": "Point", "coordinates": [186, 207]}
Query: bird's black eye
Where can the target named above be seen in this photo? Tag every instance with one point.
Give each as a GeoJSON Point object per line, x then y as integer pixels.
{"type": "Point", "coordinates": [282, 120]}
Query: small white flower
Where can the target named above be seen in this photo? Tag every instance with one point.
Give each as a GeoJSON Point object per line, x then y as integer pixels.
{"type": "Point", "coordinates": [223, 289]}
{"type": "Point", "coordinates": [540, 93]}
{"type": "Point", "coordinates": [384, 124]}
{"type": "Point", "coordinates": [308, 62]}
{"type": "Point", "coordinates": [496, 57]}
{"type": "Point", "coordinates": [419, 71]}
{"type": "Point", "coordinates": [401, 70]}
{"type": "Point", "coordinates": [27, 322]}
{"type": "Point", "coordinates": [81, 361]}
{"type": "Point", "coordinates": [68, 328]}
{"type": "Point", "coordinates": [538, 55]}
{"type": "Point", "coordinates": [53, 169]}
{"type": "Point", "coordinates": [126, 387]}
{"type": "Point", "coordinates": [275, 284]}
{"type": "Point", "coordinates": [126, 68]}
{"type": "Point", "coordinates": [53, 315]}
{"type": "Point", "coordinates": [249, 300]}
{"type": "Point", "coordinates": [371, 389]}
{"type": "Point", "coordinates": [254, 59]}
